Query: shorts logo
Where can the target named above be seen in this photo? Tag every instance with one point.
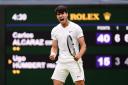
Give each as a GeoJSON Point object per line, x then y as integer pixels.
{"type": "Point", "coordinates": [78, 76]}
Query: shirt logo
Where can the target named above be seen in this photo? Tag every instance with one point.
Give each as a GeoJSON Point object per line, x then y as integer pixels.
{"type": "Point", "coordinates": [70, 31]}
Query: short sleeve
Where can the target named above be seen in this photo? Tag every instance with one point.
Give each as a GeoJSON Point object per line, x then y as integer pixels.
{"type": "Point", "coordinates": [79, 32]}
{"type": "Point", "coordinates": [53, 35]}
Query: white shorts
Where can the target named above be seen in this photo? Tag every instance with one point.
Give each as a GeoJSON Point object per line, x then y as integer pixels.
{"type": "Point", "coordinates": [63, 69]}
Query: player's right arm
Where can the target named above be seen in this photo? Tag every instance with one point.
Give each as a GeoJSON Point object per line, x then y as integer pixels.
{"type": "Point", "coordinates": [54, 49]}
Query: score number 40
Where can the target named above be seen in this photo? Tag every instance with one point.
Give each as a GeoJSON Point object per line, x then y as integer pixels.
{"type": "Point", "coordinates": [103, 38]}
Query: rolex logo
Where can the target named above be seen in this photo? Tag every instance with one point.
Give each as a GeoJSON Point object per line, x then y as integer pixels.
{"type": "Point", "coordinates": [107, 16]}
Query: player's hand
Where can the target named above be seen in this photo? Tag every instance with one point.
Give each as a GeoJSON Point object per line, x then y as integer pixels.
{"type": "Point", "coordinates": [52, 57]}
{"type": "Point", "coordinates": [77, 56]}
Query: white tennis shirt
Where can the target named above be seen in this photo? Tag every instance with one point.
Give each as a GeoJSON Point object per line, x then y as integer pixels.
{"type": "Point", "coordinates": [60, 34]}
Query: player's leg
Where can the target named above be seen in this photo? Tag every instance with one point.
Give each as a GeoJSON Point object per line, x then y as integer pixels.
{"type": "Point", "coordinates": [76, 73]}
{"type": "Point", "coordinates": [60, 74]}
{"type": "Point", "coordinates": [57, 82]}
{"type": "Point", "coordinates": [80, 82]}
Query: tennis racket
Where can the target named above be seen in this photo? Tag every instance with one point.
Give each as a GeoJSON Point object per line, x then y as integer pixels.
{"type": "Point", "coordinates": [71, 48]}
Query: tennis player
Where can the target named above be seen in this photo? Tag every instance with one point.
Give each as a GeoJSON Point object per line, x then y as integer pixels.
{"type": "Point", "coordinates": [66, 63]}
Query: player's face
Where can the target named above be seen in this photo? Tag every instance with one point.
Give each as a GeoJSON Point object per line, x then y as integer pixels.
{"type": "Point", "coordinates": [62, 17]}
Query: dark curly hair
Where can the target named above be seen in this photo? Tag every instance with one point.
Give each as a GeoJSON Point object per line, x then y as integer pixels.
{"type": "Point", "coordinates": [61, 9]}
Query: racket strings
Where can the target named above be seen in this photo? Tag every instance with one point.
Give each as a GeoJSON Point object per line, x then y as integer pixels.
{"type": "Point", "coordinates": [71, 45]}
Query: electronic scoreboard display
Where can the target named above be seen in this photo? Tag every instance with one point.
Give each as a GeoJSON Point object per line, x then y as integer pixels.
{"type": "Point", "coordinates": [28, 42]}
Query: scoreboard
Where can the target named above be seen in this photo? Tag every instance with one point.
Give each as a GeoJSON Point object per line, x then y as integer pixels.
{"type": "Point", "coordinates": [27, 43]}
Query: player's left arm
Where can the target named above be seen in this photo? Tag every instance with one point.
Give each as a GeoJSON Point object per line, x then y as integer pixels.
{"type": "Point", "coordinates": [82, 45]}
{"type": "Point", "coordinates": [82, 48]}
